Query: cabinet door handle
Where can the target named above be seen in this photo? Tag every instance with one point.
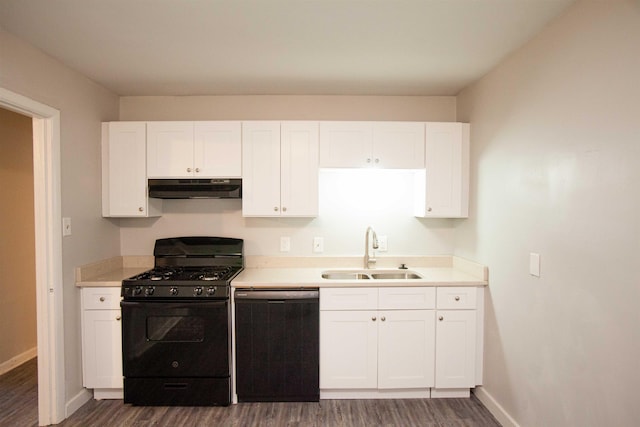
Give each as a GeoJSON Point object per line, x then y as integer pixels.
{"type": "Point", "coordinates": [428, 209]}
{"type": "Point", "coordinates": [383, 318]}
{"type": "Point", "coordinates": [373, 318]}
{"type": "Point", "coordinates": [140, 209]}
{"type": "Point", "coordinates": [188, 169]}
{"type": "Point", "coordinates": [118, 318]}
{"type": "Point", "coordinates": [457, 298]}
{"type": "Point", "coordinates": [275, 208]}
{"type": "Point", "coordinates": [197, 169]}
{"type": "Point", "coordinates": [368, 160]}
{"type": "Point", "coordinates": [441, 318]}
{"type": "Point", "coordinates": [284, 209]}
{"type": "Point", "coordinates": [101, 299]}
{"type": "Point", "coordinates": [377, 160]}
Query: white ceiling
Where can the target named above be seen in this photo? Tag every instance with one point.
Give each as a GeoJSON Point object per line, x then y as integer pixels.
{"type": "Point", "coordinates": [232, 47]}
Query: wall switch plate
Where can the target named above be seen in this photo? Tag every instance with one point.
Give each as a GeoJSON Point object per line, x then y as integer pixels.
{"type": "Point", "coordinates": [285, 244]}
{"type": "Point", "coordinates": [534, 264]}
{"type": "Point", "coordinates": [382, 243]}
{"type": "Point", "coordinates": [66, 226]}
{"type": "Point", "coordinates": [318, 245]}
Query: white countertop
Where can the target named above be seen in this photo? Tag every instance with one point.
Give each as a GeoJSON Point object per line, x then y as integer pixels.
{"type": "Point", "coordinates": [300, 272]}
{"type": "Point", "coordinates": [312, 277]}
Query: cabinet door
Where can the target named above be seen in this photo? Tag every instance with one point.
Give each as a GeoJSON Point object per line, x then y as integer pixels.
{"type": "Point", "coordinates": [455, 348]}
{"type": "Point", "coordinates": [170, 149]}
{"type": "Point", "coordinates": [346, 144]}
{"type": "Point", "coordinates": [348, 349]}
{"type": "Point", "coordinates": [299, 168]}
{"type": "Point", "coordinates": [261, 169]}
{"type": "Point", "coordinates": [406, 340]}
{"type": "Point", "coordinates": [124, 174]}
{"type": "Point", "coordinates": [102, 348]}
{"type": "Point", "coordinates": [217, 150]}
{"type": "Point", "coordinates": [447, 171]}
{"type": "Point", "coordinates": [398, 145]}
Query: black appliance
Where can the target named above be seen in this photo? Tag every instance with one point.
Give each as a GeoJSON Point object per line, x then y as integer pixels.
{"type": "Point", "coordinates": [185, 188]}
{"type": "Point", "coordinates": [277, 345]}
{"type": "Point", "coordinates": [176, 324]}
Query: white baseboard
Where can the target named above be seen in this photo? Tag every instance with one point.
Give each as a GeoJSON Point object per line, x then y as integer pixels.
{"type": "Point", "coordinates": [77, 401]}
{"type": "Point", "coordinates": [18, 360]}
{"type": "Point", "coordinates": [495, 408]}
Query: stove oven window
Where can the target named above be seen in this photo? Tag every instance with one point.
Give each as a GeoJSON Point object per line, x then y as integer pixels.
{"type": "Point", "coordinates": [175, 328]}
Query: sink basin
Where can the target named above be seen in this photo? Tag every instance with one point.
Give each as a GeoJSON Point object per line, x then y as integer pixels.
{"type": "Point", "coordinates": [340, 275]}
{"type": "Point", "coordinates": [370, 275]}
{"type": "Point", "coordinates": [392, 275]}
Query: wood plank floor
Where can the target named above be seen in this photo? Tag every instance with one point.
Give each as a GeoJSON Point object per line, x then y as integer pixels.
{"type": "Point", "coordinates": [18, 407]}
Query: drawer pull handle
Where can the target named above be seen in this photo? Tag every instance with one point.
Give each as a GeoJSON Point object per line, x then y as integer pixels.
{"type": "Point", "coordinates": [118, 317]}
{"type": "Point", "coordinates": [101, 299]}
{"type": "Point", "coordinates": [441, 318]}
{"type": "Point", "coordinates": [457, 298]}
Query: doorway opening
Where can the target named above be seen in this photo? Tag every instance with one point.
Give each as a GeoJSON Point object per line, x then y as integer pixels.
{"type": "Point", "coordinates": [48, 252]}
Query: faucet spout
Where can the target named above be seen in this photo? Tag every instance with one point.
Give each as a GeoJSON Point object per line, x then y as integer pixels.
{"type": "Point", "coordinates": [368, 260]}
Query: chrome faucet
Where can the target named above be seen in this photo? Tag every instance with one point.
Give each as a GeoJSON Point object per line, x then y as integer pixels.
{"type": "Point", "coordinates": [367, 259]}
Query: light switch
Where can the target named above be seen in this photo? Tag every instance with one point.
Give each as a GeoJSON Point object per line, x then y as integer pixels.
{"type": "Point", "coordinates": [382, 243]}
{"type": "Point", "coordinates": [66, 226]}
{"type": "Point", "coordinates": [534, 264]}
{"type": "Point", "coordinates": [318, 245]}
{"type": "Point", "coordinates": [285, 244]}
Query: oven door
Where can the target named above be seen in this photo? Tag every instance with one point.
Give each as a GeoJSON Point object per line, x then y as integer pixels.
{"type": "Point", "coordinates": [175, 339]}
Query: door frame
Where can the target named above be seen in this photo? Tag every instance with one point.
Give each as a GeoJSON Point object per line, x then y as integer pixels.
{"type": "Point", "coordinates": [48, 251]}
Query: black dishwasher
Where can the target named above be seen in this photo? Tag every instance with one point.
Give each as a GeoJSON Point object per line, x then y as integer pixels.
{"type": "Point", "coordinates": [277, 345]}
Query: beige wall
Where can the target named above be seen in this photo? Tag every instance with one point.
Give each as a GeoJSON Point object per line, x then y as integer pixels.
{"type": "Point", "coordinates": [17, 248]}
{"type": "Point", "coordinates": [83, 105]}
{"type": "Point", "coordinates": [347, 205]}
{"type": "Point", "coordinates": [555, 155]}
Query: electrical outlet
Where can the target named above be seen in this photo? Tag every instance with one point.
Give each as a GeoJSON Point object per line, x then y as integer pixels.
{"type": "Point", "coordinates": [285, 244]}
{"type": "Point", "coordinates": [382, 243]}
{"type": "Point", "coordinates": [318, 245]}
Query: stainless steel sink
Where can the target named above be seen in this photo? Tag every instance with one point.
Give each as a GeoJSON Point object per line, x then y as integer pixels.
{"type": "Point", "coordinates": [392, 275]}
{"type": "Point", "coordinates": [370, 275]}
{"type": "Point", "coordinates": [338, 275]}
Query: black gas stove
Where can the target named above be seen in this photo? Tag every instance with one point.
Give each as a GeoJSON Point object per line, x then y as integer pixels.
{"type": "Point", "coordinates": [176, 341]}
{"type": "Point", "coordinates": [188, 268]}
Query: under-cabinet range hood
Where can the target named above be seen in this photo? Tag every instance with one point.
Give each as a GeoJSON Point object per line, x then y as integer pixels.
{"type": "Point", "coordinates": [210, 188]}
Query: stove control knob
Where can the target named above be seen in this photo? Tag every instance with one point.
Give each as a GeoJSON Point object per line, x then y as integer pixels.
{"type": "Point", "coordinates": [211, 290]}
{"type": "Point", "coordinates": [137, 290]}
{"type": "Point", "coordinates": [173, 291]}
{"type": "Point", "coordinates": [197, 290]}
{"type": "Point", "coordinates": [149, 291]}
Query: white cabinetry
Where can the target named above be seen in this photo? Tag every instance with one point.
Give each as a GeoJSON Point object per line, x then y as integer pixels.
{"type": "Point", "coordinates": [194, 149]}
{"type": "Point", "coordinates": [442, 191]}
{"type": "Point", "coordinates": [374, 339]}
{"type": "Point", "coordinates": [455, 341]}
{"type": "Point", "coordinates": [390, 145]}
{"type": "Point", "coordinates": [280, 169]}
{"type": "Point", "coordinates": [124, 172]}
{"type": "Point", "coordinates": [102, 342]}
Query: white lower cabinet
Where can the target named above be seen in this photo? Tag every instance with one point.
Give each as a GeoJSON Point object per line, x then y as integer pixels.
{"type": "Point", "coordinates": [371, 346]}
{"type": "Point", "coordinates": [102, 342]}
{"type": "Point", "coordinates": [399, 342]}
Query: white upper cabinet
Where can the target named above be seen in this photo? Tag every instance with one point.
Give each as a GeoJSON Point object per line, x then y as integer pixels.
{"type": "Point", "coordinates": [442, 191]}
{"type": "Point", "coordinates": [390, 145]}
{"type": "Point", "coordinates": [194, 149]}
{"type": "Point", "coordinates": [280, 168]}
{"type": "Point", "coordinates": [124, 173]}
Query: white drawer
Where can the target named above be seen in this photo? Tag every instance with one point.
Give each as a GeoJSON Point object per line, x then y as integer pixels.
{"type": "Point", "coordinates": [348, 298]}
{"type": "Point", "coordinates": [101, 298]}
{"type": "Point", "coordinates": [456, 298]}
{"type": "Point", "coordinates": [397, 298]}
